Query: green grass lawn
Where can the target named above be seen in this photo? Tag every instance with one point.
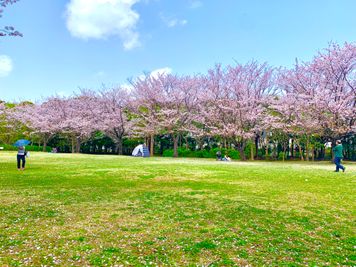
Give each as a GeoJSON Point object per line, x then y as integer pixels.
{"type": "Point", "coordinates": [108, 210]}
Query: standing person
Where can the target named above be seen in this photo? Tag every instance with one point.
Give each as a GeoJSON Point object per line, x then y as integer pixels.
{"type": "Point", "coordinates": [338, 149]}
{"type": "Point", "coordinates": [21, 158]}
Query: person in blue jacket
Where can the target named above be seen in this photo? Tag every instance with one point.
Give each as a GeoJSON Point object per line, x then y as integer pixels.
{"type": "Point", "coordinates": [21, 158]}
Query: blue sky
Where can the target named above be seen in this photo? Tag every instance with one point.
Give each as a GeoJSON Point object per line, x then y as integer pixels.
{"type": "Point", "coordinates": [71, 44]}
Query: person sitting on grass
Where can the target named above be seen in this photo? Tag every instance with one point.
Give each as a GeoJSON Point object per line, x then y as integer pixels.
{"type": "Point", "coordinates": [338, 155]}
{"type": "Point", "coordinates": [21, 157]}
{"type": "Point", "coordinates": [226, 158]}
{"type": "Point", "coordinates": [218, 155]}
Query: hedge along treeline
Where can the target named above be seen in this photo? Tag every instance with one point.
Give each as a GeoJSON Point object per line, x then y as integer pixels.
{"type": "Point", "coordinates": [189, 147]}
{"type": "Point", "coordinates": [275, 151]}
{"type": "Point", "coordinates": [28, 148]}
{"type": "Point", "coordinates": [294, 111]}
{"type": "Point", "coordinates": [205, 153]}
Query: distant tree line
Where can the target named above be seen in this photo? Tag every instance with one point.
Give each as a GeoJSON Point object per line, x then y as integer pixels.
{"type": "Point", "coordinates": [250, 110]}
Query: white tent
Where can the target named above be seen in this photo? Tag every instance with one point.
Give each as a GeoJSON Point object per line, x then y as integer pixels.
{"type": "Point", "coordinates": [141, 151]}
{"type": "Point", "coordinates": [138, 151]}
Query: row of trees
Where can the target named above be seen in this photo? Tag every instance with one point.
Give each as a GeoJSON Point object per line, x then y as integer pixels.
{"type": "Point", "coordinates": [239, 105]}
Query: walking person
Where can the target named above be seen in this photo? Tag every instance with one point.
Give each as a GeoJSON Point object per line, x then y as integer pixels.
{"type": "Point", "coordinates": [338, 155]}
{"type": "Point", "coordinates": [21, 158]}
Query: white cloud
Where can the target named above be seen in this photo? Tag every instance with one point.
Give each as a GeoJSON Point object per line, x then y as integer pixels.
{"type": "Point", "coordinates": [100, 74]}
{"type": "Point", "coordinates": [156, 73]}
{"type": "Point", "coordinates": [195, 4]}
{"type": "Point", "coordinates": [6, 65]}
{"type": "Point", "coordinates": [127, 87]}
{"type": "Point", "coordinates": [161, 71]}
{"type": "Point", "coordinates": [176, 22]}
{"type": "Point", "coordinates": [172, 21]}
{"type": "Point", "coordinates": [100, 19]}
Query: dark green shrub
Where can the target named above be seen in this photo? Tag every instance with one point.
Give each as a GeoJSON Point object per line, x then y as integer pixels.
{"type": "Point", "coordinates": [167, 153]}
{"type": "Point", "coordinates": [234, 154]}
{"type": "Point", "coordinates": [280, 156]}
{"type": "Point", "coordinates": [261, 153]}
{"type": "Point", "coordinates": [28, 148]}
{"type": "Point", "coordinates": [248, 150]}
{"type": "Point", "coordinates": [187, 153]}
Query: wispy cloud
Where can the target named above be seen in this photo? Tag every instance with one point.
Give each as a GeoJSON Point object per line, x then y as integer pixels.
{"type": "Point", "coordinates": [99, 74]}
{"type": "Point", "coordinates": [100, 19]}
{"type": "Point", "coordinates": [6, 65]}
{"type": "Point", "coordinates": [176, 22]}
{"type": "Point", "coordinates": [173, 22]}
{"type": "Point", "coordinates": [195, 4]}
{"type": "Point", "coordinates": [155, 73]}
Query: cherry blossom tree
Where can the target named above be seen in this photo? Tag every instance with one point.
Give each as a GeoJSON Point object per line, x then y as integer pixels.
{"type": "Point", "coordinates": [315, 100]}
{"type": "Point", "coordinates": [74, 117]}
{"type": "Point", "coordinates": [3, 121]}
{"type": "Point", "coordinates": [43, 119]}
{"type": "Point", "coordinates": [145, 108]}
{"type": "Point", "coordinates": [336, 67]}
{"type": "Point", "coordinates": [11, 128]}
{"type": "Point", "coordinates": [322, 93]}
{"type": "Point", "coordinates": [2, 107]}
{"type": "Point", "coordinates": [165, 104]}
{"type": "Point", "coordinates": [291, 119]}
{"type": "Point", "coordinates": [299, 109]}
{"type": "Point", "coordinates": [80, 117]}
{"type": "Point", "coordinates": [113, 117]}
{"type": "Point", "coordinates": [233, 103]}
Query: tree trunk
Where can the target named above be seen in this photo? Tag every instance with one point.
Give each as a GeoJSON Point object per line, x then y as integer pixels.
{"type": "Point", "coordinates": [77, 147]}
{"type": "Point", "coordinates": [287, 149]}
{"type": "Point", "coordinates": [45, 140]}
{"type": "Point", "coordinates": [73, 144]}
{"type": "Point", "coordinates": [256, 146]}
{"type": "Point", "coordinates": [160, 146]}
{"type": "Point", "coordinates": [332, 152]}
{"type": "Point", "coordinates": [241, 148]}
{"type": "Point", "coordinates": [175, 145]}
{"type": "Point", "coordinates": [242, 153]}
{"type": "Point", "coordinates": [292, 148]}
{"type": "Point", "coordinates": [300, 152]}
{"type": "Point", "coordinates": [307, 149]}
{"type": "Point", "coordinates": [266, 151]}
{"type": "Point", "coordinates": [119, 146]}
{"type": "Point", "coordinates": [274, 151]}
{"type": "Point", "coordinates": [251, 151]}
{"type": "Point", "coordinates": [186, 142]}
{"type": "Point", "coordinates": [284, 151]}
{"type": "Point", "coordinates": [152, 140]}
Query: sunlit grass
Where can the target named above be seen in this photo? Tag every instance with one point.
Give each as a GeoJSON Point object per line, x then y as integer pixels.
{"type": "Point", "coordinates": [108, 210]}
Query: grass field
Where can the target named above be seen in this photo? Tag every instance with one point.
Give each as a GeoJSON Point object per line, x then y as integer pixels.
{"type": "Point", "coordinates": [79, 210]}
